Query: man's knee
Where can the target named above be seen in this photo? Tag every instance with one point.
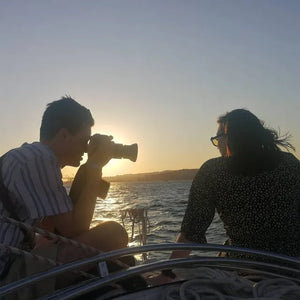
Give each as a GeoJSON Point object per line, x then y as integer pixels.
{"type": "Point", "coordinates": [116, 234]}
{"type": "Point", "coordinates": [106, 236]}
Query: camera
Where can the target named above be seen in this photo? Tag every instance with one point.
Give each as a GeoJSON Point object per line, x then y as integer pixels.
{"type": "Point", "coordinates": [125, 151]}
{"type": "Point", "coordinates": [117, 150]}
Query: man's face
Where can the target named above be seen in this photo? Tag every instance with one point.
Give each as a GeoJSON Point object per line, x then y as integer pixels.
{"type": "Point", "coordinates": [76, 146]}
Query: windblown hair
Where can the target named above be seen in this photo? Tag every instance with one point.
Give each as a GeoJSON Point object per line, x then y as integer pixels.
{"type": "Point", "coordinates": [252, 148]}
{"type": "Point", "coordinates": [64, 113]}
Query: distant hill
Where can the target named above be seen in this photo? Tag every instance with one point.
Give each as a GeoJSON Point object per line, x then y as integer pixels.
{"type": "Point", "coordinates": [184, 174]}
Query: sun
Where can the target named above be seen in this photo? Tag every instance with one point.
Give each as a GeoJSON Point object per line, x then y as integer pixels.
{"type": "Point", "coordinates": [113, 167]}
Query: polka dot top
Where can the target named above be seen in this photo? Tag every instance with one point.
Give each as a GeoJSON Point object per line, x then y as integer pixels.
{"type": "Point", "coordinates": [259, 212]}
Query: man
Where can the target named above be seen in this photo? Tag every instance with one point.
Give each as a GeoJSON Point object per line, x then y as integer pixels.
{"type": "Point", "coordinates": [32, 189]}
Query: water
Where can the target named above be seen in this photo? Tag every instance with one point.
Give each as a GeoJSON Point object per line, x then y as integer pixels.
{"type": "Point", "coordinates": [165, 202]}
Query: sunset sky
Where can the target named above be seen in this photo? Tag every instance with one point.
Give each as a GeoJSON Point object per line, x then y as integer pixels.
{"type": "Point", "coordinates": [153, 72]}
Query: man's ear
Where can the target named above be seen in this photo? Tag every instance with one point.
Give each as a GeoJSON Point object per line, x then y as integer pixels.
{"type": "Point", "coordinates": [63, 134]}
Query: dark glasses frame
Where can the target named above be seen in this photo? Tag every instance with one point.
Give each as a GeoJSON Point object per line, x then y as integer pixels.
{"type": "Point", "coordinates": [215, 140]}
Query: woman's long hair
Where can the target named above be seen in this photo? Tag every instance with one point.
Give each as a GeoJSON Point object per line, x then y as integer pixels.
{"type": "Point", "coordinates": [252, 148]}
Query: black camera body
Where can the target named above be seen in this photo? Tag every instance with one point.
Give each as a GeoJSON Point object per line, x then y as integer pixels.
{"type": "Point", "coordinates": [117, 150]}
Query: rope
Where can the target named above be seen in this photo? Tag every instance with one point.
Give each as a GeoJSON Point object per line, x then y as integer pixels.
{"type": "Point", "coordinates": [277, 288]}
{"type": "Point", "coordinates": [41, 259]}
{"type": "Point", "coordinates": [139, 216]}
{"type": "Point", "coordinates": [59, 238]}
{"type": "Point", "coordinates": [224, 285]}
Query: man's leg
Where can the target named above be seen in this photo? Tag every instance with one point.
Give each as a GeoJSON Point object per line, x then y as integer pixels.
{"type": "Point", "coordinates": [106, 236]}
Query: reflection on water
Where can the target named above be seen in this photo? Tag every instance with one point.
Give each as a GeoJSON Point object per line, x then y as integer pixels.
{"type": "Point", "coordinates": [166, 203]}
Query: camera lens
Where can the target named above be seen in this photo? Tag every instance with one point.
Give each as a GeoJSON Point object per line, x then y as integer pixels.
{"type": "Point", "coordinates": [125, 151]}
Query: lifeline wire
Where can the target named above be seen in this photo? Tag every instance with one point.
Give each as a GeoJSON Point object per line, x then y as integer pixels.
{"type": "Point", "coordinates": [39, 258]}
{"type": "Point", "coordinates": [56, 237]}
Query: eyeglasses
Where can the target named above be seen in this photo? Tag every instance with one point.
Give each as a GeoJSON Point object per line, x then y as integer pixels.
{"type": "Point", "coordinates": [215, 139]}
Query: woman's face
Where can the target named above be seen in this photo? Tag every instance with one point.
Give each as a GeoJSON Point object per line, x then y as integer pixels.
{"type": "Point", "coordinates": [222, 140]}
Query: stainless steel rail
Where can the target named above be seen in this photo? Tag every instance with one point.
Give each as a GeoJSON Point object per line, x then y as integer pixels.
{"type": "Point", "coordinates": [293, 263]}
{"type": "Point", "coordinates": [218, 262]}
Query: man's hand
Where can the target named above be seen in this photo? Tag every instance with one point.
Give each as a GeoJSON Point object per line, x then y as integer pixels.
{"type": "Point", "coordinates": [100, 149]}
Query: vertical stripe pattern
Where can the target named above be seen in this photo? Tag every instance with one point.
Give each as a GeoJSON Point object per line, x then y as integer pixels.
{"type": "Point", "coordinates": [33, 177]}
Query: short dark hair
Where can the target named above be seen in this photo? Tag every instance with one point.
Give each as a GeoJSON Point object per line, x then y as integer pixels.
{"type": "Point", "coordinates": [64, 113]}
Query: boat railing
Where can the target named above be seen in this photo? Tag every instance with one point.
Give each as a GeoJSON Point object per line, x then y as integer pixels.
{"type": "Point", "coordinates": [280, 266]}
{"type": "Point", "coordinates": [236, 264]}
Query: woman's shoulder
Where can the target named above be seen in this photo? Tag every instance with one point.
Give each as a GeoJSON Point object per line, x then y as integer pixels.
{"type": "Point", "coordinates": [215, 163]}
{"type": "Point", "coordinates": [289, 159]}
{"type": "Point", "coordinates": [211, 173]}
{"type": "Point", "coordinates": [213, 167]}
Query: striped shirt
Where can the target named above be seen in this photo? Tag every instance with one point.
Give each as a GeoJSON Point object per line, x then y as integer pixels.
{"type": "Point", "coordinates": [33, 178]}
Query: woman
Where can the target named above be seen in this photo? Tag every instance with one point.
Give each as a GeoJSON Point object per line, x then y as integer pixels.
{"type": "Point", "coordinates": [254, 186]}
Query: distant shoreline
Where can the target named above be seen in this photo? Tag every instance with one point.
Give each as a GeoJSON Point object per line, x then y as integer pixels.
{"type": "Point", "coordinates": [169, 175]}
{"type": "Point", "coordinates": [183, 174]}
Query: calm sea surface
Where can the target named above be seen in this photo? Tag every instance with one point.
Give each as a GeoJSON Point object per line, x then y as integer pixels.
{"type": "Point", "coordinates": [165, 203]}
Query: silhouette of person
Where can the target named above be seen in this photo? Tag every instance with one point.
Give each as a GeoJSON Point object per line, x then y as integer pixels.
{"type": "Point", "coordinates": [254, 187]}
{"type": "Point", "coordinates": [32, 190]}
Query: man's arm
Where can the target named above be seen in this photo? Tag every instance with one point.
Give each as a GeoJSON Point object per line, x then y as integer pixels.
{"type": "Point", "coordinates": [85, 193]}
{"type": "Point", "coordinates": [79, 183]}
{"type": "Point", "coordinates": [78, 220]}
